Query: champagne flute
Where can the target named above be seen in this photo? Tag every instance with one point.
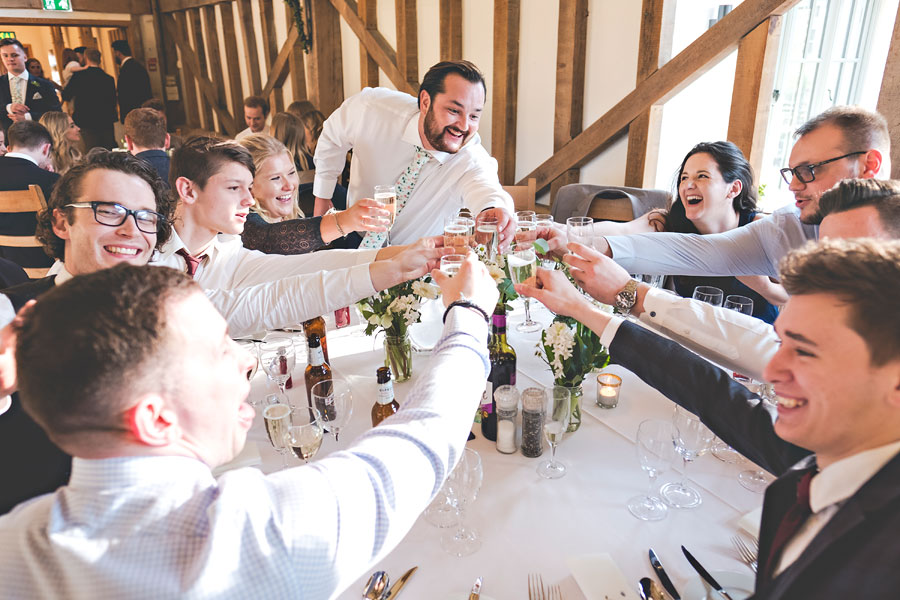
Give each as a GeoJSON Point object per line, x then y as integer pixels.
{"type": "Point", "coordinates": [304, 436]}
{"type": "Point", "coordinates": [278, 359]}
{"type": "Point", "coordinates": [580, 230]}
{"type": "Point", "coordinates": [691, 439]}
{"type": "Point", "coordinates": [277, 418]}
{"type": "Point", "coordinates": [522, 269]}
{"type": "Point", "coordinates": [456, 233]}
{"type": "Point", "coordinates": [558, 407]}
{"type": "Point", "coordinates": [451, 263]}
{"type": "Point", "coordinates": [387, 195]}
{"type": "Point", "coordinates": [334, 401]}
{"type": "Point", "coordinates": [462, 490]}
{"type": "Point", "coordinates": [487, 234]}
{"type": "Point", "coordinates": [655, 451]}
{"type": "Point", "coordinates": [709, 294]}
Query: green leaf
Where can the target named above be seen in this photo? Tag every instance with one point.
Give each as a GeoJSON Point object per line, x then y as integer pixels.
{"type": "Point", "coordinates": [541, 246]}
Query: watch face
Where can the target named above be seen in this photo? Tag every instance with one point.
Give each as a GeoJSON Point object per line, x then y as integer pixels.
{"type": "Point", "coordinates": [625, 299]}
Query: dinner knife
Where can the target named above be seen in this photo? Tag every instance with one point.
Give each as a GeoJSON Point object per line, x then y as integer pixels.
{"type": "Point", "coordinates": [663, 576]}
{"type": "Point", "coordinates": [398, 585]}
{"type": "Point", "coordinates": [705, 574]}
{"type": "Point", "coordinates": [475, 594]}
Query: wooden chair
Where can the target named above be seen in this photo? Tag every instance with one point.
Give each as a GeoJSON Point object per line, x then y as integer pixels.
{"type": "Point", "coordinates": [523, 195]}
{"type": "Point", "coordinates": [23, 201]}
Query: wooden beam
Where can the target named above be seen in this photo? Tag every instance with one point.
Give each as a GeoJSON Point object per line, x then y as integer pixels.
{"type": "Point", "coordinates": [279, 71]}
{"type": "Point", "coordinates": [58, 46]}
{"type": "Point", "coordinates": [296, 63]}
{"type": "Point", "coordinates": [375, 44]}
{"type": "Point", "coordinates": [325, 66]}
{"type": "Point", "coordinates": [64, 22]}
{"type": "Point", "coordinates": [188, 89]}
{"type": "Point", "coordinates": [678, 73]}
{"type": "Point", "coordinates": [136, 39]}
{"type": "Point", "coordinates": [196, 41]}
{"type": "Point", "coordinates": [229, 36]}
{"type": "Point", "coordinates": [251, 53]}
{"type": "Point", "coordinates": [179, 5]}
{"type": "Point", "coordinates": [86, 34]}
{"type": "Point", "coordinates": [173, 89]}
{"type": "Point", "coordinates": [270, 52]}
{"type": "Point", "coordinates": [214, 58]}
{"type": "Point", "coordinates": [889, 97]}
{"type": "Point", "coordinates": [368, 13]}
{"type": "Point", "coordinates": [407, 41]}
{"type": "Point", "coordinates": [451, 29]}
{"type": "Point", "coordinates": [570, 60]}
{"type": "Point", "coordinates": [655, 50]}
{"type": "Point", "coordinates": [506, 84]}
{"type": "Point", "coordinates": [130, 7]}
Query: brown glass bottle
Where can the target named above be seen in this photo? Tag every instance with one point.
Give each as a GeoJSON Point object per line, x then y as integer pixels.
{"type": "Point", "coordinates": [317, 326]}
{"type": "Point", "coordinates": [385, 403]}
{"type": "Point", "coordinates": [316, 370]}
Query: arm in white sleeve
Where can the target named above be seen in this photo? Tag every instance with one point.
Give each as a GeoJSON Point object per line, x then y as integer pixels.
{"type": "Point", "coordinates": [337, 138]}
{"type": "Point", "coordinates": [726, 337]}
{"type": "Point", "coordinates": [481, 187]}
{"type": "Point", "coordinates": [290, 301]}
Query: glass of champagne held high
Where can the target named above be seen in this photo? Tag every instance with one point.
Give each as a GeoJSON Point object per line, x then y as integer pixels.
{"type": "Point", "coordinates": [522, 264]}
{"type": "Point", "coordinates": [452, 263]}
{"type": "Point", "coordinates": [487, 234]}
{"type": "Point", "coordinates": [304, 436]}
{"type": "Point", "coordinates": [387, 195]}
{"type": "Point", "coordinates": [580, 230]}
{"type": "Point", "coordinates": [456, 233]}
{"type": "Point", "coordinates": [277, 418]}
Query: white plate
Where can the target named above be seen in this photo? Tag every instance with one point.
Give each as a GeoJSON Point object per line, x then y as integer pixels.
{"type": "Point", "coordinates": [738, 585]}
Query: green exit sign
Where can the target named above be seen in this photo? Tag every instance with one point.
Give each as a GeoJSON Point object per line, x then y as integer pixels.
{"type": "Point", "coordinates": [7, 34]}
{"type": "Point", "coordinates": [58, 5]}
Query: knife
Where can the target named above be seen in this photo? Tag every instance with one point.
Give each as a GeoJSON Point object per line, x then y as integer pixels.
{"type": "Point", "coordinates": [663, 576]}
{"type": "Point", "coordinates": [398, 585]}
{"type": "Point", "coordinates": [476, 590]}
{"type": "Point", "coordinates": [705, 574]}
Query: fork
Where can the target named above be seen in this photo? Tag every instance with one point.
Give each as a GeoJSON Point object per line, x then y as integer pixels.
{"type": "Point", "coordinates": [554, 593]}
{"type": "Point", "coordinates": [747, 554]}
{"type": "Point", "coordinates": [536, 587]}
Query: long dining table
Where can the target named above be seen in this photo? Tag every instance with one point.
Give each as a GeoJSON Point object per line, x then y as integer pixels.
{"type": "Point", "coordinates": [529, 525]}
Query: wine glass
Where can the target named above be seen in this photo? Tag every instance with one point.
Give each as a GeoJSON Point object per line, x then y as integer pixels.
{"type": "Point", "coordinates": [304, 436]}
{"type": "Point", "coordinates": [462, 490]}
{"type": "Point", "coordinates": [522, 265]}
{"type": "Point", "coordinates": [756, 480]}
{"type": "Point", "coordinates": [580, 230]}
{"type": "Point", "coordinates": [278, 359]}
{"type": "Point", "coordinates": [709, 294]}
{"type": "Point", "coordinates": [691, 439]}
{"type": "Point", "coordinates": [742, 304]}
{"type": "Point", "coordinates": [720, 449]}
{"type": "Point", "coordinates": [333, 400]}
{"type": "Point", "coordinates": [451, 263]}
{"type": "Point", "coordinates": [456, 233]}
{"type": "Point", "coordinates": [277, 417]}
{"type": "Point", "coordinates": [558, 408]}
{"type": "Point", "coordinates": [487, 235]}
{"type": "Point", "coordinates": [655, 451]}
{"type": "Point", "coordinates": [526, 227]}
{"type": "Point", "coordinates": [387, 195]}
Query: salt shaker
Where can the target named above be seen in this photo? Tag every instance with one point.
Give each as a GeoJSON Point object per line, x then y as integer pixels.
{"type": "Point", "coordinates": [533, 422]}
{"type": "Point", "coordinates": [507, 399]}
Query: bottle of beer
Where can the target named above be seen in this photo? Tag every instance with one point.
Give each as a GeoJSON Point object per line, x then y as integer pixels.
{"type": "Point", "coordinates": [316, 370]}
{"type": "Point", "coordinates": [503, 371]}
{"type": "Point", "coordinates": [317, 325]}
{"type": "Point", "coordinates": [385, 403]}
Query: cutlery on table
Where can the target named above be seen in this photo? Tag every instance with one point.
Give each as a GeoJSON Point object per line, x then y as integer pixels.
{"type": "Point", "coordinates": [376, 586]}
{"type": "Point", "coordinates": [475, 594]}
{"type": "Point", "coordinates": [705, 574]}
{"type": "Point", "coordinates": [663, 576]}
{"type": "Point", "coordinates": [398, 585]}
{"type": "Point", "coordinates": [650, 590]}
{"type": "Point", "coordinates": [554, 593]}
{"type": "Point", "coordinates": [535, 587]}
{"type": "Point", "coordinates": [747, 554]}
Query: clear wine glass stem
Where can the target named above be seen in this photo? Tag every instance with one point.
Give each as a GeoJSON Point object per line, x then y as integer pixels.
{"type": "Point", "coordinates": [684, 477]}
{"type": "Point", "coordinates": [553, 454]}
{"type": "Point", "coordinates": [528, 320]}
{"type": "Point", "coordinates": [284, 462]}
{"type": "Point", "coordinates": [650, 485]}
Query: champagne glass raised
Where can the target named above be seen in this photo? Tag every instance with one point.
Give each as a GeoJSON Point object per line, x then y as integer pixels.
{"type": "Point", "coordinates": [487, 234]}
{"type": "Point", "coordinates": [522, 268]}
{"type": "Point", "coordinates": [387, 195]}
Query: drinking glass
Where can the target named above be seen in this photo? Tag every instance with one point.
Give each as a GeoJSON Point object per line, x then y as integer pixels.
{"type": "Point", "coordinates": [655, 451]}
{"type": "Point", "coordinates": [709, 294]}
{"type": "Point", "coordinates": [456, 233]}
{"type": "Point", "coordinates": [543, 220]}
{"type": "Point", "coordinates": [526, 227]}
{"type": "Point", "coordinates": [691, 439]}
{"type": "Point", "coordinates": [720, 449]}
{"type": "Point", "coordinates": [278, 358]}
{"type": "Point", "coordinates": [462, 490]}
{"type": "Point", "coordinates": [556, 421]}
{"type": "Point", "coordinates": [580, 230]}
{"type": "Point", "coordinates": [522, 265]}
{"type": "Point", "coordinates": [277, 418]}
{"type": "Point", "coordinates": [487, 234]}
{"type": "Point", "coordinates": [655, 281]}
{"type": "Point", "coordinates": [441, 512]}
{"type": "Point", "coordinates": [334, 401]}
{"type": "Point", "coordinates": [756, 480]}
{"type": "Point", "coordinates": [451, 263]}
{"type": "Point", "coordinates": [304, 436]}
{"type": "Point", "coordinates": [387, 195]}
{"type": "Point", "coordinates": [742, 304]}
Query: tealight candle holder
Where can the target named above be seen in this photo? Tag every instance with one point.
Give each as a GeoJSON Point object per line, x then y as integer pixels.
{"type": "Point", "coordinates": [608, 387]}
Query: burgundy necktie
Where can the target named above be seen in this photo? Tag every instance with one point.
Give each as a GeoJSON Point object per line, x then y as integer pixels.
{"type": "Point", "coordinates": [193, 262]}
{"type": "Point", "coordinates": [791, 523]}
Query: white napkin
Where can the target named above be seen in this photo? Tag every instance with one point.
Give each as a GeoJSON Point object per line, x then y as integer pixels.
{"type": "Point", "coordinates": [750, 522]}
{"type": "Point", "coordinates": [599, 578]}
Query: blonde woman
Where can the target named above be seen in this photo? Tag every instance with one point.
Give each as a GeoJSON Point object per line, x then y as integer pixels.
{"type": "Point", "coordinates": [289, 130]}
{"type": "Point", "coordinates": [68, 147]}
{"type": "Point", "coordinates": [276, 225]}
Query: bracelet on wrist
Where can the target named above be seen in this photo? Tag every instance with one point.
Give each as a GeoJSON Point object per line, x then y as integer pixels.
{"type": "Point", "coordinates": [469, 305]}
{"type": "Point", "coordinates": [337, 224]}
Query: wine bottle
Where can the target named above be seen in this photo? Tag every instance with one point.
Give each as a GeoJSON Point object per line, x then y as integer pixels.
{"type": "Point", "coordinates": [317, 325]}
{"type": "Point", "coordinates": [503, 372]}
{"type": "Point", "coordinates": [385, 403]}
{"type": "Point", "coordinates": [317, 370]}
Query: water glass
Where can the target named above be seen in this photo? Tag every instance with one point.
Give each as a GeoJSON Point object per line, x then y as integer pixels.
{"type": "Point", "coordinates": [691, 439]}
{"type": "Point", "coordinates": [334, 401]}
{"type": "Point", "coordinates": [462, 490]}
{"type": "Point", "coordinates": [278, 358]}
{"type": "Point", "coordinates": [655, 452]}
{"type": "Point", "coordinates": [580, 230]}
{"type": "Point", "coordinates": [742, 304]}
{"type": "Point", "coordinates": [709, 294]}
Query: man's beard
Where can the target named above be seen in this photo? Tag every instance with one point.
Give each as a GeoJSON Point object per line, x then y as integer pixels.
{"type": "Point", "coordinates": [435, 134]}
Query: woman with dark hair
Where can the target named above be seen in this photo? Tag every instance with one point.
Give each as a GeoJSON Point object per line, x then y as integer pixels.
{"type": "Point", "coordinates": [714, 192]}
{"type": "Point", "coordinates": [70, 64]}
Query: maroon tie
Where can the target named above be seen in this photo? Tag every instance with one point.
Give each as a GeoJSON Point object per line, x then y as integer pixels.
{"type": "Point", "coordinates": [192, 261]}
{"type": "Point", "coordinates": [791, 523]}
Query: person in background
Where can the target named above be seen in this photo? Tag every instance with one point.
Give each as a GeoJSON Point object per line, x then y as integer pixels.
{"type": "Point", "coordinates": [71, 64]}
{"type": "Point", "coordinates": [36, 69]}
{"type": "Point", "coordinates": [68, 147]}
{"type": "Point", "coordinates": [146, 138]}
{"type": "Point", "coordinates": [313, 121]}
{"type": "Point", "coordinates": [175, 140]}
{"type": "Point", "coordinates": [133, 86]}
{"type": "Point", "coordinates": [79, 55]}
{"type": "Point", "coordinates": [288, 129]}
{"type": "Point", "coordinates": [299, 108]}
{"type": "Point", "coordinates": [23, 97]}
{"type": "Point", "coordinates": [94, 96]}
{"type": "Point", "coordinates": [256, 111]}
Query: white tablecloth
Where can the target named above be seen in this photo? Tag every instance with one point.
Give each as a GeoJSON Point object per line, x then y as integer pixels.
{"type": "Point", "coordinates": [531, 525]}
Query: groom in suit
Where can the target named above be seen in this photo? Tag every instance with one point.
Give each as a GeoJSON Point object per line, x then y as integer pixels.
{"type": "Point", "coordinates": [22, 95]}
{"type": "Point", "coordinates": [133, 87]}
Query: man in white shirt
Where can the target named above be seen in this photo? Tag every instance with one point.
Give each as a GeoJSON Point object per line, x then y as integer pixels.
{"type": "Point", "coordinates": [387, 130]}
{"type": "Point", "coordinates": [256, 111]}
{"type": "Point", "coordinates": [148, 416]}
{"type": "Point", "coordinates": [23, 97]}
{"type": "Point", "coordinates": [829, 521]}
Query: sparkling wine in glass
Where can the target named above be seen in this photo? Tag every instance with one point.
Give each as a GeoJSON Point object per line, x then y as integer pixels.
{"type": "Point", "coordinates": [691, 439]}
{"type": "Point", "coordinates": [277, 418]}
{"type": "Point", "coordinates": [304, 436]}
{"type": "Point", "coordinates": [278, 359]}
{"type": "Point", "coordinates": [655, 452]}
{"type": "Point", "coordinates": [462, 490]}
{"type": "Point", "coordinates": [487, 235]}
{"type": "Point", "coordinates": [387, 195]}
{"type": "Point", "coordinates": [526, 227]}
{"type": "Point", "coordinates": [334, 401]}
{"type": "Point", "coordinates": [452, 263]}
{"type": "Point", "coordinates": [456, 233]}
{"type": "Point", "coordinates": [522, 269]}
{"type": "Point", "coordinates": [556, 420]}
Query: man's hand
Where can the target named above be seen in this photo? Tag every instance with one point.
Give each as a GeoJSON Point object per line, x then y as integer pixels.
{"type": "Point", "coordinates": [18, 111]}
{"type": "Point", "coordinates": [411, 262]}
{"type": "Point", "coordinates": [365, 215]}
{"type": "Point", "coordinates": [506, 224]}
{"type": "Point", "coordinates": [598, 275]}
{"type": "Point", "coordinates": [556, 239]}
{"type": "Point", "coordinates": [555, 292]}
{"type": "Point", "coordinates": [472, 281]}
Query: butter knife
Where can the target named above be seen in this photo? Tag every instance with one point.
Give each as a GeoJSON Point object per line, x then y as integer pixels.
{"type": "Point", "coordinates": [705, 574]}
{"type": "Point", "coordinates": [475, 594]}
{"type": "Point", "coordinates": [663, 576]}
{"type": "Point", "coordinates": [398, 585]}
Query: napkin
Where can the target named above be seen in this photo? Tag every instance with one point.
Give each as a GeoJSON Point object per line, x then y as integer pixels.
{"type": "Point", "coordinates": [599, 578]}
{"type": "Point", "coordinates": [750, 522]}
{"type": "Point", "coordinates": [248, 457]}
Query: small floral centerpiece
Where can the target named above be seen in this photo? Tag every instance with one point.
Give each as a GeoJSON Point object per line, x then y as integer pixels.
{"type": "Point", "coordinates": [394, 310]}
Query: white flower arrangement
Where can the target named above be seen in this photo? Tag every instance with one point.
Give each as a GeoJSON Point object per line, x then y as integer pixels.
{"type": "Point", "coordinates": [396, 308]}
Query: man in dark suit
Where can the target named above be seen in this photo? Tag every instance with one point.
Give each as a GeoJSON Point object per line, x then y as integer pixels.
{"type": "Point", "coordinates": [25, 164]}
{"type": "Point", "coordinates": [829, 521]}
{"type": "Point", "coordinates": [133, 87]}
{"type": "Point", "coordinates": [94, 93]}
{"type": "Point", "coordinates": [146, 138]}
{"type": "Point", "coordinates": [22, 95]}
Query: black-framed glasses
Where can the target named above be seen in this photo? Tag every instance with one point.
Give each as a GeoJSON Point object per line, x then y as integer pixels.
{"type": "Point", "coordinates": [807, 173]}
{"type": "Point", "coordinates": [113, 215]}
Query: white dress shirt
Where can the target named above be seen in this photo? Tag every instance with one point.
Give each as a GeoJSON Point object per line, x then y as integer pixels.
{"type": "Point", "coordinates": [21, 81]}
{"type": "Point", "coordinates": [248, 131]}
{"type": "Point", "coordinates": [22, 156]}
{"type": "Point", "coordinates": [163, 527]}
{"type": "Point", "coordinates": [381, 126]}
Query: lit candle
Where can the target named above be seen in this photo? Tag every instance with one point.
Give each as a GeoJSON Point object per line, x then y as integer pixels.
{"type": "Point", "coordinates": [608, 386]}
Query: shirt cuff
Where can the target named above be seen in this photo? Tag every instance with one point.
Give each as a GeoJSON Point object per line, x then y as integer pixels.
{"type": "Point", "coordinates": [657, 304]}
{"type": "Point", "coordinates": [361, 281]}
{"type": "Point", "coordinates": [322, 188]}
{"type": "Point", "coordinates": [609, 332]}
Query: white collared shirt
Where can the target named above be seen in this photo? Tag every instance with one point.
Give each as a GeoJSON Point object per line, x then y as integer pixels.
{"type": "Point", "coordinates": [249, 131]}
{"type": "Point", "coordinates": [381, 126]}
{"type": "Point", "coordinates": [21, 155]}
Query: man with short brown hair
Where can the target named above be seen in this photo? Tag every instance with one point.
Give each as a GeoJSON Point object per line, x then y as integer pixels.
{"type": "Point", "coordinates": [256, 111]}
{"type": "Point", "coordinates": [147, 139]}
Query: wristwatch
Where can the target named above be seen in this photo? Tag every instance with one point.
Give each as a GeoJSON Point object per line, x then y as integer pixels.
{"type": "Point", "coordinates": [627, 296]}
